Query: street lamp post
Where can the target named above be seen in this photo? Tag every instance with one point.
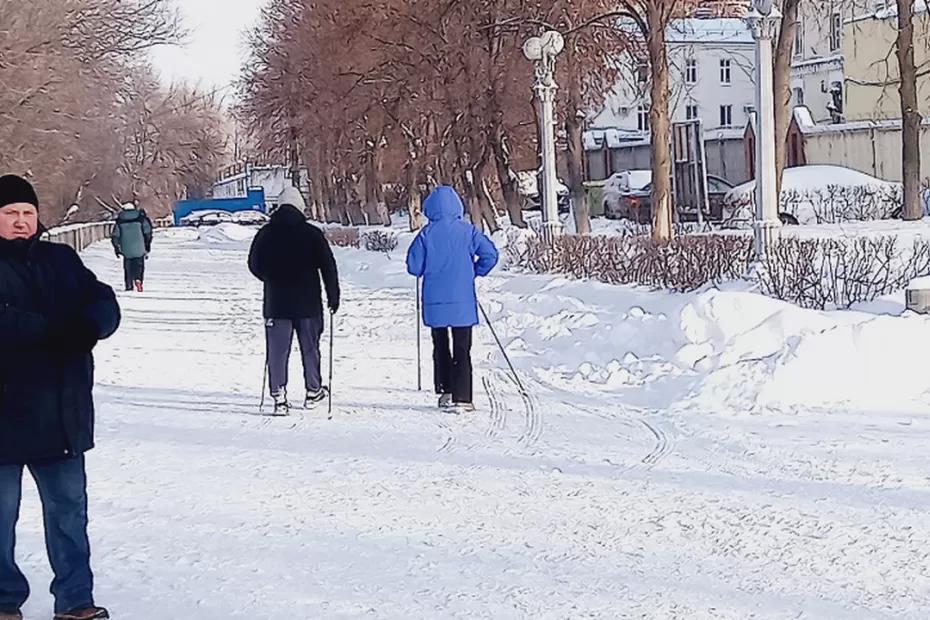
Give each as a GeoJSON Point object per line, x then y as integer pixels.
{"type": "Point", "coordinates": [763, 19]}
{"type": "Point", "coordinates": [542, 51]}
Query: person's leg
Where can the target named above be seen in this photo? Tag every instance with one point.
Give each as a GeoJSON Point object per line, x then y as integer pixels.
{"type": "Point", "coordinates": [63, 491]}
{"type": "Point", "coordinates": [140, 269]}
{"type": "Point", "coordinates": [14, 589]}
{"type": "Point", "coordinates": [279, 335]}
{"type": "Point", "coordinates": [309, 332]}
{"type": "Point", "coordinates": [127, 274]}
{"type": "Point", "coordinates": [442, 361]}
{"type": "Point", "coordinates": [461, 365]}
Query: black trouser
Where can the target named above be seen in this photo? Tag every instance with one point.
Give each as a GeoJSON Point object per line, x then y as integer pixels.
{"type": "Point", "coordinates": [280, 338]}
{"type": "Point", "coordinates": [452, 369]}
{"type": "Point", "coordinates": [133, 269]}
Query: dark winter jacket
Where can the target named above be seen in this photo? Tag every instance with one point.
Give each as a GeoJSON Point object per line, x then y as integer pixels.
{"type": "Point", "coordinates": [52, 312]}
{"type": "Point", "coordinates": [132, 235]}
{"type": "Point", "coordinates": [449, 253]}
{"type": "Point", "coordinates": [289, 256]}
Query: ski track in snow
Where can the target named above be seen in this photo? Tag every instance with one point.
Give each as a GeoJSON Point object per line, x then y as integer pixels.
{"type": "Point", "coordinates": [549, 506]}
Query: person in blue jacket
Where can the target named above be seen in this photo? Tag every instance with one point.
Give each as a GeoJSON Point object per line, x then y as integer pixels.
{"type": "Point", "coordinates": [449, 253]}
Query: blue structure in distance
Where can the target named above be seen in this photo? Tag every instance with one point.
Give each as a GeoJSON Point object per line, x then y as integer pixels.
{"type": "Point", "coordinates": [253, 201]}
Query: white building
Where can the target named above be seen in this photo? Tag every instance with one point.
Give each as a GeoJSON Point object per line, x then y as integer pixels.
{"type": "Point", "coordinates": [711, 65]}
{"type": "Point", "coordinates": [817, 73]}
{"type": "Point", "coordinates": [274, 178]}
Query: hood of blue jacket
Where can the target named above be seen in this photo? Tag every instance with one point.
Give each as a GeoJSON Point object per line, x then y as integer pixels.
{"type": "Point", "coordinates": [444, 204]}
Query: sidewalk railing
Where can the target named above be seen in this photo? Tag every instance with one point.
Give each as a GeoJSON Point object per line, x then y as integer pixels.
{"type": "Point", "coordinates": [79, 236]}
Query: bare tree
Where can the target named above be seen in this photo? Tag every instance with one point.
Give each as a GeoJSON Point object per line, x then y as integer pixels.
{"type": "Point", "coordinates": [911, 118]}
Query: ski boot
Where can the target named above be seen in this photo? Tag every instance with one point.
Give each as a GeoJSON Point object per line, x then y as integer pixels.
{"type": "Point", "coordinates": [281, 406]}
{"type": "Point", "coordinates": [463, 407]}
{"type": "Point", "coordinates": [315, 398]}
{"type": "Point", "coordinates": [139, 287]}
{"type": "Point", "coordinates": [90, 613]}
{"type": "Point", "coordinates": [445, 401]}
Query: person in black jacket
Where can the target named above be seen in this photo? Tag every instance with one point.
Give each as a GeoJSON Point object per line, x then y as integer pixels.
{"type": "Point", "coordinates": [52, 313]}
{"type": "Point", "coordinates": [289, 255]}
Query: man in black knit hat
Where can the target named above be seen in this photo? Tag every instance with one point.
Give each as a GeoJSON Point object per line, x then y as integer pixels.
{"type": "Point", "coordinates": [53, 311]}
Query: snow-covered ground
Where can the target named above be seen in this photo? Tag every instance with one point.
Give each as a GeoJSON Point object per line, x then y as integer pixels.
{"type": "Point", "coordinates": [712, 455]}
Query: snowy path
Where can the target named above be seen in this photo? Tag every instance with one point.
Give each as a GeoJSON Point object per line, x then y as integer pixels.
{"type": "Point", "coordinates": [585, 506]}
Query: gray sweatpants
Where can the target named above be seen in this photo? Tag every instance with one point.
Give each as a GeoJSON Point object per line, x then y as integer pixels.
{"type": "Point", "coordinates": [279, 335]}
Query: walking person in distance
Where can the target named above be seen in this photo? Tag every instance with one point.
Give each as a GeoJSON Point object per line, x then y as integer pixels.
{"type": "Point", "coordinates": [449, 253]}
{"type": "Point", "coordinates": [132, 240]}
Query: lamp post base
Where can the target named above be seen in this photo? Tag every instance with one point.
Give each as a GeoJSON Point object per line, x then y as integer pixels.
{"type": "Point", "coordinates": [551, 230]}
{"type": "Point", "coordinates": [766, 233]}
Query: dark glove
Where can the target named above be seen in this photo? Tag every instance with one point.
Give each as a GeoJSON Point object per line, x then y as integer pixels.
{"type": "Point", "coordinates": [74, 335]}
{"type": "Point", "coordinates": [333, 306]}
{"type": "Point", "coordinates": [118, 253]}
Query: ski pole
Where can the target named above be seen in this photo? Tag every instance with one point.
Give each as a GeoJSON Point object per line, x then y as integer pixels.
{"type": "Point", "coordinates": [261, 405]}
{"type": "Point", "coordinates": [332, 329]}
{"type": "Point", "coordinates": [419, 340]}
{"type": "Point", "coordinates": [500, 346]}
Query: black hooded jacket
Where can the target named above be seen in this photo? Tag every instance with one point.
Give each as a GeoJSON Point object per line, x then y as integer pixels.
{"type": "Point", "coordinates": [289, 256]}
{"type": "Point", "coordinates": [52, 312]}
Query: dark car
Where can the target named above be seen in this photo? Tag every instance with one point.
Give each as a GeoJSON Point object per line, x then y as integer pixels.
{"type": "Point", "coordinates": [637, 205]}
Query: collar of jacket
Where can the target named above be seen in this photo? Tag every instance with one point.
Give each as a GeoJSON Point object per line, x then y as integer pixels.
{"type": "Point", "coordinates": [21, 248]}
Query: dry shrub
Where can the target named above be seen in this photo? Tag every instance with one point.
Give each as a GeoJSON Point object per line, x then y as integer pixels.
{"type": "Point", "coordinates": [823, 273]}
{"type": "Point", "coordinates": [380, 241]}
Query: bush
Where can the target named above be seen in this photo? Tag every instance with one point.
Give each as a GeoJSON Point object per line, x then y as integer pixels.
{"type": "Point", "coordinates": [833, 204]}
{"type": "Point", "coordinates": [812, 273]}
{"type": "Point", "coordinates": [380, 241]}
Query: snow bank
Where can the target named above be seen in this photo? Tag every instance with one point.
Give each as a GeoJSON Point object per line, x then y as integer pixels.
{"type": "Point", "coordinates": [226, 234]}
{"type": "Point", "coordinates": [724, 349]}
{"type": "Point", "coordinates": [811, 179]}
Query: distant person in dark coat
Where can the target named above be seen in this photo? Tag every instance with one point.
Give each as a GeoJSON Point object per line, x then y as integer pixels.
{"type": "Point", "coordinates": [449, 253]}
{"type": "Point", "coordinates": [132, 240]}
{"type": "Point", "coordinates": [290, 256]}
{"type": "Point", "coordinates": [52, 313]}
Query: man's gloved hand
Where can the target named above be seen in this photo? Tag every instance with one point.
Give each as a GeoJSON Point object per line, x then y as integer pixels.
{"type": "Point", "coordinates": [118, 253]}
{"type": "Point", "coordinates": [73, 335]}
{"type": "Point", "coordinates": [333, 306]}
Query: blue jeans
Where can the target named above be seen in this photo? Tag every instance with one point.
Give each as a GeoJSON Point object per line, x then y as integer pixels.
{"type": "Point", "coordinates": [63, 491]}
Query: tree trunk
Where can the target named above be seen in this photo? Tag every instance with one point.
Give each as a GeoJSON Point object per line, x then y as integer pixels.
{"type": "Point", "coordinates": [574, 127]}
{"type": "Point", "coordinates": [484, 201]}
{"type": "Point", "coordinates": [472, 205]}
{"type": "Point", "coordinates": [910, 112]}
{"type": "Point", "coordinates": [414, 200]}
{"type": "Point", "coordinates": [782, 86]}
{"type": "Point", "coordinates": [660, 126]}
{"type": "Point", "coordinates": [508, 184]}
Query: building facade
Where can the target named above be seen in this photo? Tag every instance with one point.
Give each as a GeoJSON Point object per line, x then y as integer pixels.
{"type": "Point", "coordinates": [872, 76]}
{"type": "Point", "coordinates": [272, 178]}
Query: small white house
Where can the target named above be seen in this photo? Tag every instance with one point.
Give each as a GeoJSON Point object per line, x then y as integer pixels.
{"type": "Point", "coordinates": [273, 178]}
{"type": "Point", "coordinates": [712, 67]}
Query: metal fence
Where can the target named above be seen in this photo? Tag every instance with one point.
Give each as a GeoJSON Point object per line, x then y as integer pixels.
{"type": "Point", "coordinates": [79, 236]}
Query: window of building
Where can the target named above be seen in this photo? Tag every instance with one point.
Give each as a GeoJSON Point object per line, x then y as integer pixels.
{"type": "Point", "coordinates": [691, 71]}
{"type": "Point", "coordinates": [726, 71]}
{"type": "Point", "coordinates": [691, 112]}
{"type": "Point", "coordinates": [642, 118]}
{"type": "Point", "coordinates": [726, 116]}
{"type": "Point", "coordinates": [799, 96]}
{"type": "Point", "coordinates": [799, 39]}
{"type": "Point", "coordinates": [642, 73]}
{"type": "Point", "coordinates": [836, 32]}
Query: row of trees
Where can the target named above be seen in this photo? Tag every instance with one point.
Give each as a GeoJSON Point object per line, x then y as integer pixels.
{"type": "Point", "coordinates": [84, 116]}
{"type": "Point", "coordinates": [419, 92]}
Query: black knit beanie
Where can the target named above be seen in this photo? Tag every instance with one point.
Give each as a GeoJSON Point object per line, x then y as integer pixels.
{"type": "Point", "coordinates": [14, 189]}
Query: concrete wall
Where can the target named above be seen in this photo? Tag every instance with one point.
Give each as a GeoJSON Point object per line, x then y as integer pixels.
{"type": "Point", "coordinates": [725, 158]}
{"type": "Point", "coordinates": [875, 150]}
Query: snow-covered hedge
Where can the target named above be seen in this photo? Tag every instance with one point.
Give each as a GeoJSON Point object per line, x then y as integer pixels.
{"type": "Point", "coordinates": [821, 273]}
{"type": "Point", "coordinates": [833, 204]}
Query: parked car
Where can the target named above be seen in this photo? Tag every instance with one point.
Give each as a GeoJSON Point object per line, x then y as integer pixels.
{"type": "Point", "coordinates": [619, 186]}
{"type": "Point", "coordinates": [250, 218]}
{"type": "Point", "coordinates": [206, 218]}
{"type": "Point", "coordinates": [528, 183]}
{"type": "Point", "coordinates": [636, 204]}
